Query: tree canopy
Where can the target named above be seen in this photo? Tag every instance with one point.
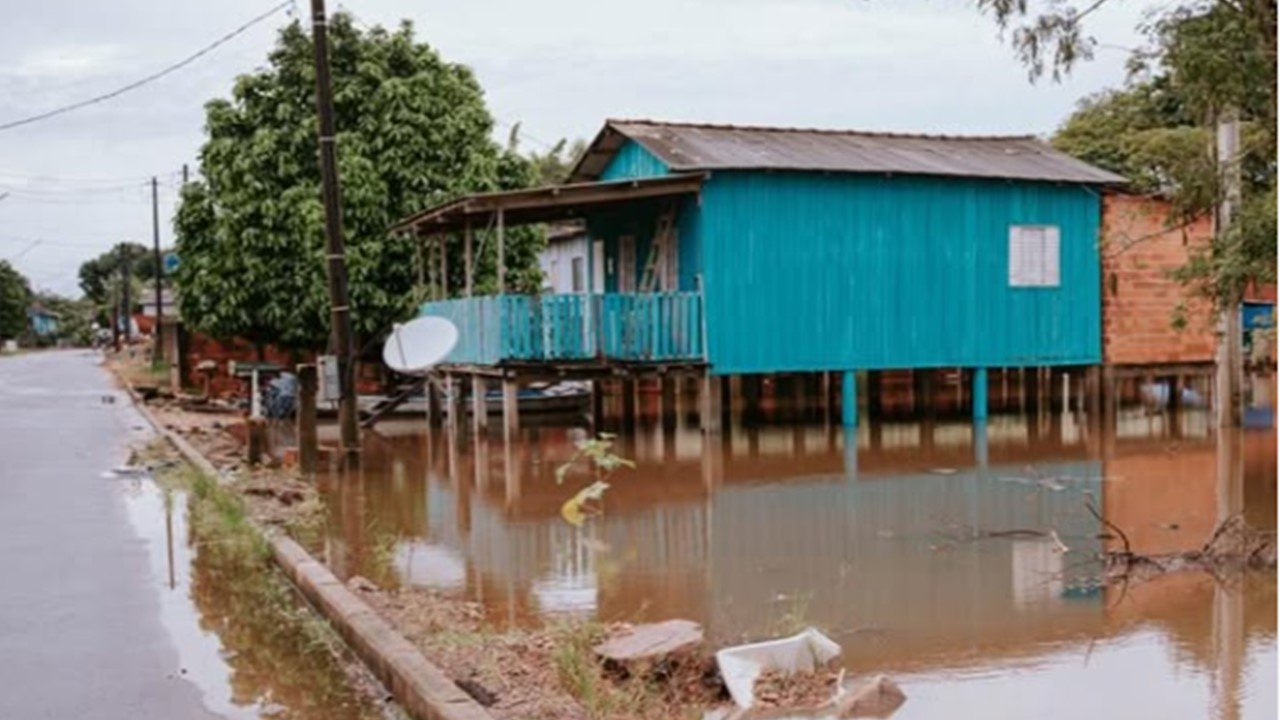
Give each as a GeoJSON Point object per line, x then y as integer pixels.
{"type": "Point", "coordinates": [15, 298]}
{"type": "Point", "coordinates": [1204, 60]}
{"type": "Point", "coordinates": [100, 275]}
{"type": "Point", "coordinates": [413, 131]}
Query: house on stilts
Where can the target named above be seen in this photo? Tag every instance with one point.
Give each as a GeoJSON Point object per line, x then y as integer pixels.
{"type": "Point", "coordinates": [726, 251]}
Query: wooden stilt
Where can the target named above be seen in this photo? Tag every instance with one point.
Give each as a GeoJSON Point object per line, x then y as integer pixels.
{"type": "Point", "coordinates": [628, 403]}
{"type": "Point", "coordinates": [597, 404]}
{"type": "Point", "coordinates": [1093, 394]}
{"type": "Point", "coordinates": [709, 403]}
{"type": "Point", "coordinates": [510, 410]}
{"type": "Point", "coordinates": [668, 400]}
{"type": "Point", "coordinates": [875, 400]}
{"type": "Point", "coordinates": [435, 412]}
{"type": "Point", "coordinates": [479, 404]}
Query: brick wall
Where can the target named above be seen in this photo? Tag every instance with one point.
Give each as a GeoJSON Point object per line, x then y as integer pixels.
{"type": "Point", "coordinates": [222, 384]}
{"type": "Point", "coordinates": [1138, 296]}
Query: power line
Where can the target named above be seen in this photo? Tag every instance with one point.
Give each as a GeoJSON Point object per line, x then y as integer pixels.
{"type": "Point", "coordinates": [148, 79]}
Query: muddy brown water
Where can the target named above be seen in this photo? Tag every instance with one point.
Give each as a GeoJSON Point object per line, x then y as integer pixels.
{"type": "Point", "coordinates": [928, 549]}
{"type": "Point", "coordinates": [248, 659]}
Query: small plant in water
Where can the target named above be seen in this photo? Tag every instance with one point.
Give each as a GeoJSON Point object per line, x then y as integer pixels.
{"type": "Point", "coordinates": [602, 463]}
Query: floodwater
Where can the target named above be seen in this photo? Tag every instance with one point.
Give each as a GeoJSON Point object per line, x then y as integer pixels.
{"type": "Point", "coordinates": [959, 559]}
{"type": "Point", "coordinates": [249, 659]}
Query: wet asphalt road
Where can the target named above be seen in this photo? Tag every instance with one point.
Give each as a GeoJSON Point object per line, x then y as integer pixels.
{"type": "Point", "coordinates": [80, 628]}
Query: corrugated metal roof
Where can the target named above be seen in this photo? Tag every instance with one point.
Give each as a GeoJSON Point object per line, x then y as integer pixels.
{"type": "Point", "coordinates": [687, 146]}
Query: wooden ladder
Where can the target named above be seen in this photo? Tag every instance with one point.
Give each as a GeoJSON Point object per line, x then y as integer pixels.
{"type": "Point", "coordinates": [663, 238]}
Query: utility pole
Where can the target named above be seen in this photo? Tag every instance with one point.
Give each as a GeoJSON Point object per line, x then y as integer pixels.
{"type": "Point", "coordinates": [157, 349]}
{"type": "Point", "coordinates": [184, 175]}
{"type": "Point", "coordinates": [340, 310]}
{"type": "Point", "coordinates": [1230, 363]}
{"type": "Point", "coordinates": [127, 300]}
{"type": "Point", "coordinates": [115, 318]}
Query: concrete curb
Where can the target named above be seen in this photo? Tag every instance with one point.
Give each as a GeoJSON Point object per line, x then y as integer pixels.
{"type": "Point", "coordinates": [420, 687]}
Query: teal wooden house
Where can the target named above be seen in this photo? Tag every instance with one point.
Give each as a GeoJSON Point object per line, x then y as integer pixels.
{"type": "Point", "coordinates": [742, 250]}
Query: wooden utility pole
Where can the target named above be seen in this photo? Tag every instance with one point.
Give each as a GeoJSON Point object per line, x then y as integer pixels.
{"type": "Point", "coordinates": [157, 349]}
{"type": "Point", "coordinates": [1230, 363]}
{"type": "Point", "coordinates": [126, 308]}
{"type": "Point", "coordinates": [115, 318]}
{"type": "Point", "coordinates": [340, 310]}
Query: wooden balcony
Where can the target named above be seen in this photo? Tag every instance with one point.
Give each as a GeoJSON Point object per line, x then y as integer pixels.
{"type": "Point", "coordinates": [504, 329]}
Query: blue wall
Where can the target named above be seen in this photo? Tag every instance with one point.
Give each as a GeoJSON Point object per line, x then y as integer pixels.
{"type": "Point", "coordinates": [633, 161]}
{"type": "Point", "coordinates": [809, 271]}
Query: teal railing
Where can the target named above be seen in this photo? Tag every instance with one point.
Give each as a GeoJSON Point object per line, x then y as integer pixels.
{"type": "Point", "coordinates": [654, 327]}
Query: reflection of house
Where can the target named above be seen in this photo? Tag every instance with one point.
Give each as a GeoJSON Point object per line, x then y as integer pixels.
{"type": "Point", "coordinates": [778, 526]}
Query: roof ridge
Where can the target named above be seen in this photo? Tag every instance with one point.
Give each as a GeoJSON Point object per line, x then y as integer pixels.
{"type": "Point", "coordinates": [821, 131]}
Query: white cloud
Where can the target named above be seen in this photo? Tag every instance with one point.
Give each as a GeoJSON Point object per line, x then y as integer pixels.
{"type": "Point", "coordinates": [66, 62]}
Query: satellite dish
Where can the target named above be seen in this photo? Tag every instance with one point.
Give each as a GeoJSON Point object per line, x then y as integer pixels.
{"type": "Point", "coordinates": [416, 346]}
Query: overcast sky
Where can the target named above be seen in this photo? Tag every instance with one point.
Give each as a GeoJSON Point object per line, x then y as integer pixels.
{"type": "Point", "coordinates": [77, 183]}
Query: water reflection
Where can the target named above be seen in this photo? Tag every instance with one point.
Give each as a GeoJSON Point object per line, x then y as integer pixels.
{"type": "Point", "coordinates": [231, 644]}
{"type": "Point", "coordinates": [937, 550]}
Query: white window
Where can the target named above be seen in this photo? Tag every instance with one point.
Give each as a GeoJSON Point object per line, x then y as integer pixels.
{"type": "Point", "coordinates": [1034, 256]}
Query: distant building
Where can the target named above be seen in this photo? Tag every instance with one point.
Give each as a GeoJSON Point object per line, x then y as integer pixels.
{"type": "Point", "coordinates": [43, 321]}
{"type": "Point", "coordinates": [168, 298]}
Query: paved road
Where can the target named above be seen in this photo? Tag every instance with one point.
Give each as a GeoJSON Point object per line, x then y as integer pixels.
{"type": "Point", "coordinates": [80, 627]}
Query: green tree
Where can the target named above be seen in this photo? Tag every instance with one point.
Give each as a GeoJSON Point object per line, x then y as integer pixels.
{"type": "Point", "coordinates": [99, 276]}
{"type": "Point", "coordinates": [15, 298]}
{"type": "Point", "coordinates": [413, 130]}
{"type": "Point", "coordinates": [552, 167]}
{"type": "Point", "coordinates": [1203, 59]}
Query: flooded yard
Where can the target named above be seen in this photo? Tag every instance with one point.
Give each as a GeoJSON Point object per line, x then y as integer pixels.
{"type": "Point", "coordinates": [961, 560]}
{"type": "Point", "coordinates": [250, 647]}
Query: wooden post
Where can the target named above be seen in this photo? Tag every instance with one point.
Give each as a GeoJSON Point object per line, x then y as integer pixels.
{"type": "Point", "coordinates": [925, 381]}
{"type": "Point", "coordinates": [668, 409]}
{"type": "Point", "coordinates": [420, 269]}
{"type": "Point", "coordinates": [510, 410]}
{"type": "Point", "coordinates": [308, 441]}
{"type": "Point", "coordinates": [444, 267]}
{"type": "Point", "coordinates": [479, 404]}
{"type": "Point", "coordinates": [257, 431]}
{"type": "Point", "coordinates": [436, 414]}
{"type": "Point", "coordinates": [628, 402]}
{"type": "Point", "coordinates": [502, 256]}
{"type": "Point", "coordinates": [1093, 394]}
{"type": "Point", "coordinates": [875, 383]}
{"type": "Point", "coordinates": [468, 260]}
{"type": "Point", "coordinates": [849, 399]}
{"type": "Point", "coordinates": [708, 402]}
{"type": "Point", "coordinates": [799, 396]}
{"type": "Point", "coordinates": [829, 398]}
{"type": "Point", "coordinates": [726, 403]}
